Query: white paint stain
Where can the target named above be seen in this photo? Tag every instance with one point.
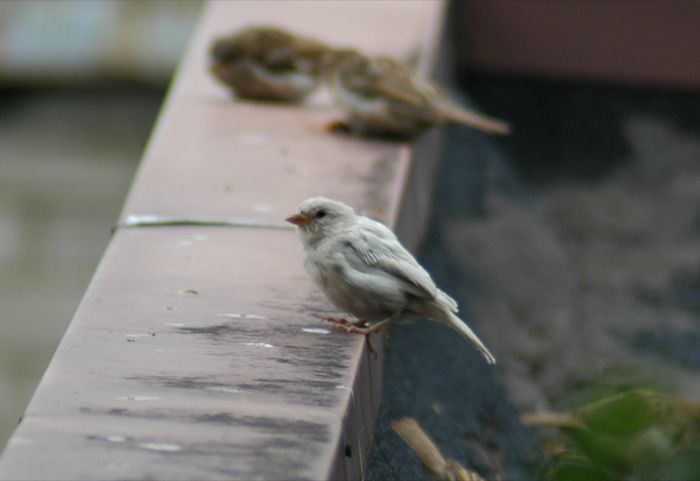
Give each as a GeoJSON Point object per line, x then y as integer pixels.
{"type": "Point", "coordinates": [142, 219]}
{"type": "Point", "coordinates": [116, 439]}
{"type": "Point", "coordinates": [138, 398]}
{"type": "Point", "coordinates": [263, 208]}
{"type": "Point", "coordinates": [166, 447]}
{"type": "Point", "coordinates": [231, 390]}
{"type": "Point", "coordinates": [316, 330]}
{"type": "Point", "coordinates": [259, 344]}
{"type": "Point", "coordinates": [173, 324]}
{"type": "Point", "coordinates": [233, 315]}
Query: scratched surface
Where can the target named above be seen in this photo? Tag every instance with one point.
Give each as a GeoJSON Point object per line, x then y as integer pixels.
{"type": "Point", "coordinates": [199, 352]}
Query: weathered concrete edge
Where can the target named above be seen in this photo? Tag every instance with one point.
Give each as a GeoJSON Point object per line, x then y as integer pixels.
{"type": "Point", "coordinates": [409, 217]}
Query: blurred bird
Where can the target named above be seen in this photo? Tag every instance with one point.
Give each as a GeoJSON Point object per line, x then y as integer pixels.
{"type": "Point", "coordinates": [268, 63]}
{"type": "Point", "coordinates": [363, 269]}
{"type": "Point", "coordinates": [381, 96]}
{"type": "Point", "coordinates": [637, 434]}
{"type": "Point", "coordinates": [439, 468]}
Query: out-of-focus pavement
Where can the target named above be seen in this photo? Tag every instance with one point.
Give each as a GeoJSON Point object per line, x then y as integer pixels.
{"type": "Point", "coordinates": [66, 160]}
{"type": "Point", "coordinates": [573, 247]}
{"type": "Point", "coordinates": [80, 86]}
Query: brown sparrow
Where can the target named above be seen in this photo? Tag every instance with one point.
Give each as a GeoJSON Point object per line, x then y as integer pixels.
{"type": "Point", "coordinates": [381, 96]}
{"type": "Point", "coordinates": [268, 63]}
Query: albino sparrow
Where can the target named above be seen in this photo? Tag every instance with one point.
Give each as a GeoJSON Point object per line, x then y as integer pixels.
{"type": "Point", "coordinates": [363, 269]}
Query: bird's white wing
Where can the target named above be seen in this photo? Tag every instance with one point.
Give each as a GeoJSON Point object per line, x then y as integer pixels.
{"type": "Point", "coordinates": [376, 228]}
{"type": "Point", "coordinates": [377, 247]}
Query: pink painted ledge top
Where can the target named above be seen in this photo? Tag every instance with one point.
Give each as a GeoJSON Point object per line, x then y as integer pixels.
{"type": "Point", "coordinates": [215, 157]}
{"type": "Point", "coordinates": [198, 352]}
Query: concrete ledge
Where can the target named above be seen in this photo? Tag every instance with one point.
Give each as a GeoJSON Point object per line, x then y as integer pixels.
{"type": "Point", "coordinates": [205, 329]}
{"type": "Point", "coordinates": [199, 352]}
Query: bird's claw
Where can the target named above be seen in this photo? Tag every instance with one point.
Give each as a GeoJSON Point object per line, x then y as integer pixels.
{"type": "Point", "coordinates": [338, 321]}
{"type": "Point", "coordinates": [359, 327]}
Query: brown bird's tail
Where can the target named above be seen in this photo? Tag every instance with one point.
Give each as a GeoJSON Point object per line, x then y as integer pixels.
{"type": "Point", "coordinates": [490, 125]}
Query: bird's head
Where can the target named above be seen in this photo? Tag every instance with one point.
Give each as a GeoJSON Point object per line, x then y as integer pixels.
{"type": "Point", "coordinates": [319, 217]}
{"type": "Point", "coordinates": [251, 42]}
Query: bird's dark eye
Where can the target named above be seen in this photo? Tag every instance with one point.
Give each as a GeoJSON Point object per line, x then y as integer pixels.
{"type": "Point", "coordinates": [320, 214]}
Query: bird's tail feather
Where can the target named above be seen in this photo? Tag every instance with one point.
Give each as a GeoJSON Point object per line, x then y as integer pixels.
{"type": "Point", "coordinates": [490, 125]}
{"type": "Point", "coordinates": [447, 301]}
{"type": "Point", "coordinates": [458, 325]}
{"type": "Point", "coordinates": [443, 310]}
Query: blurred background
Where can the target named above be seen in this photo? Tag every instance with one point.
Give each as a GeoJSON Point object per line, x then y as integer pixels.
{"type": "Point", "coordinates": [81, 83]}
{"type": "Point", "coordinates": [572, 246]}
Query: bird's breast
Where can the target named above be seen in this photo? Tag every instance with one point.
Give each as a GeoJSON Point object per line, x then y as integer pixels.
{"type": "Point", "coordinates": [366, 296]}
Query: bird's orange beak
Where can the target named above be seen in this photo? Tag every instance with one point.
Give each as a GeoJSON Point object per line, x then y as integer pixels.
{"type": "Point", "coordinates": [299, 220]}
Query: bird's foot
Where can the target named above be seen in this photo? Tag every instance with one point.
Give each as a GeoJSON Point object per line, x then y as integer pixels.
{"type": "Point", "coordinates": [339, 321]}
{"type": "Point", "coordinates": [358, 327]}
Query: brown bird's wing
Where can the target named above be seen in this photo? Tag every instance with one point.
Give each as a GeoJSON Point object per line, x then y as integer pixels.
{"type": "Point", "coordinates": [273, 47]}
{"type": "Point", "coordinates": [394, 82]}
{"type": "Point", "coordinates": [422, 99]}
{"type": "Point", "coordinates": [407, 95]}
{"type": "Point", "coordinates": [302, 54]}
{"type": "Point", "coordinates": [384, 78]}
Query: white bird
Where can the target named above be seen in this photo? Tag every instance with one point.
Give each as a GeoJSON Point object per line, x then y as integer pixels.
{"type": "Point", "coordinates": [364, 270]}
